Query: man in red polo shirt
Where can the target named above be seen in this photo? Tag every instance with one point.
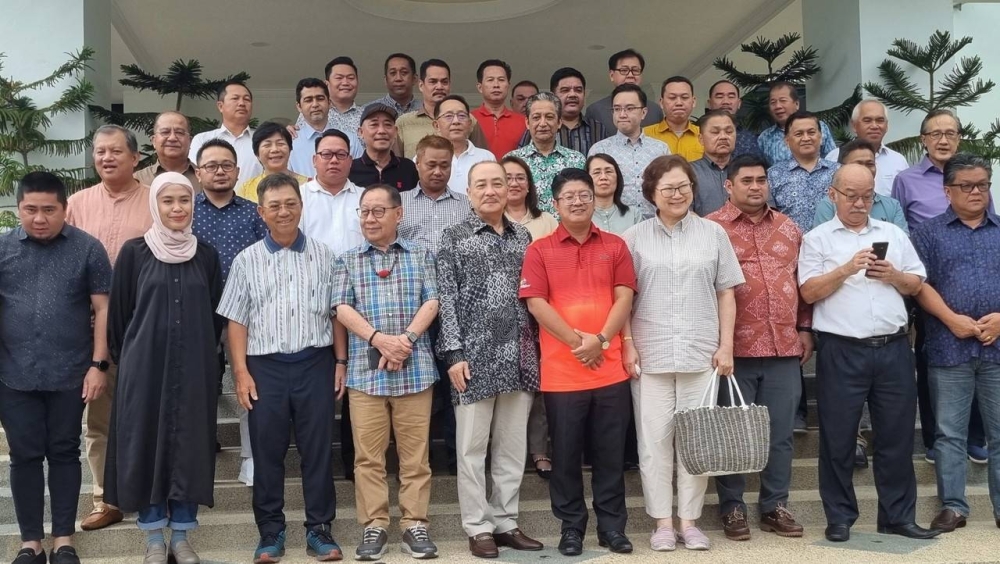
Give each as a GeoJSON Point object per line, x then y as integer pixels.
{"type": "Point", "coordinates": [579, 283]}
{"type": "Point", "coordinates": [501, 126]}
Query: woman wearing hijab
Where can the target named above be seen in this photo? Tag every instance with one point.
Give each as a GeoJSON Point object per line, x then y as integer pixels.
{"type": "Point", "coordinates": [163, 334]}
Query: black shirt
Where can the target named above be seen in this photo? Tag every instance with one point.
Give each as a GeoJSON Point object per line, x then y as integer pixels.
{"type": "Point", "coordinates": [400, 173]}
{"type": "Point", "coordinates": [46, 339]}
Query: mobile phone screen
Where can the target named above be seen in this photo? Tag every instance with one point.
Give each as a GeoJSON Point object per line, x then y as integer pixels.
{"type": "Point", "coordinates": [880, 249]}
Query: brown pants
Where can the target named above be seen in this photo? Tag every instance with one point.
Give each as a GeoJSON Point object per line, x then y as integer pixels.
{"type": "Point", "coordinates": [98, 425]}
{"type": "Point", "coordinates": [408, 418]}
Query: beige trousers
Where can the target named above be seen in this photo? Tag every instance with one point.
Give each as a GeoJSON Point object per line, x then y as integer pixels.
{"type": "Point", "coordinates": [656, 398]}
{"type": "Point", "coordinates": [98, 418]}
{"type": "Point", "coordinates": [505, 417]}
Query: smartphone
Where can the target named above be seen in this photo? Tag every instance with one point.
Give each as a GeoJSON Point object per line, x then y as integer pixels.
{"type": "Point", "coordinates": [880, 249]}
{"type": "Point", "coordinates": [374, 357]}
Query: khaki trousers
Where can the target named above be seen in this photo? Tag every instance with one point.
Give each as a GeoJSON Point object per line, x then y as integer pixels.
{"type": "Point", "coordinates": [656, 398]}
{"type": "Point", "coordinates": [408, 418]}
{"type": "Point", "coordinates": [505, 417]}
{"type": "Point", "coordinates": [98, 424]}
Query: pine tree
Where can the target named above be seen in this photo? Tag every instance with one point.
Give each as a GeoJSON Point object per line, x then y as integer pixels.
{"type": "Point", "coordinates": [953, 89]}
{"type": "Point", "coordinates": [800, 67]}
{"type": "Point", "coordinates": [23, 123]}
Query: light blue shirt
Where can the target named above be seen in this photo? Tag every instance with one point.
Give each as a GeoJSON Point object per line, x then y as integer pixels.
{"type": "Point", "coordinates": [632, 159]}
{"type": "Point", "coordinates": [304, 147]}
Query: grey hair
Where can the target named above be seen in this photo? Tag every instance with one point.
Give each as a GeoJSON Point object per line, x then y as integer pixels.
{"type": "Point", "coordinates": [856, 112]}
{"type": "Point", "coordinates": [543, 97]}
{"type": "Point", "coordinates": [965, 161]}
{"type": "Point", "coordinates": [130, 140]}
{"type": "Point", "coordinates": [938, 113]}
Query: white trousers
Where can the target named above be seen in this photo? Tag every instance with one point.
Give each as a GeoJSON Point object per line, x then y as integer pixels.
{"type": "Point", "coordinates": [506, 418]}
{"type": "Point", "coordinates": [656, 398]}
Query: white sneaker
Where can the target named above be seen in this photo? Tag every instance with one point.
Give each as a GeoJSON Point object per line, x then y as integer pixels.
{"type": "Point", "coordinates": [246, 472]}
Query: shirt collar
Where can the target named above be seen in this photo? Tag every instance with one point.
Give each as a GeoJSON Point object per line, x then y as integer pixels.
{"type": "Point", "coordinates": [468, 150]}
{"type": "Point", "coordinates": [200, 198]}
{"type": "Point", "coordinates": [664, 127]}
{"type": "Point", "coordinates": [393, 161]}
{"type": "Point", "coordinates": [562, 234]}
{"type": "Point", "coordinates": [190, 168]}
{"type": "Point", "coordinates": [681, 225]}
{"type": "Point", "coordinates": [400, 243]}
{"type": "Point", "coordinates": [504, 112]}
{"type": "Point", "coordinates": [23, 235]}
{"type": "Point", "coordinates": [838, 225]}
{"type": "Point", "coordinates": [223, 131]}
{"type": "Point", "coordinates": [711, 164]}
{"type": "Point", "coordinates": [793, 164]}
{"type": "Point", "coordinates": [952, 217]}
{"type": "Point", "coordinates": [418, 192]}
{"type": "Point", "coordinates": [926, 166]}
{"type": "Point", "coordinates": [478, 224]}
{"type": "Point", "coordinates": [556, 150]}
{"type": "Point", "coordinates": [298, 246]}
{"type": "Point", "coordinates": [729, 212]}
{"type": "Point", "coordinates": [314, 186]}
{"type": "Point", "coordinates": [622, 139]}
{"type": "Point", "coordinates": [354, 108]}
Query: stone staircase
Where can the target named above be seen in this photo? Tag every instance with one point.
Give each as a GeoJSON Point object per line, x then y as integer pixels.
{"type": "Point", "coordinates": [229, 526]}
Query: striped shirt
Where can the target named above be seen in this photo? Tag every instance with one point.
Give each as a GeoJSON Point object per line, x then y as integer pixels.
{"type": "Point", "coordinates": [282, 295]}
{"type": "Point", "coordinates": [424, 219]}
{"type": "Point", "coordinates": [389, 304]}
{"type": "Point", "coordinates": [675, 316]}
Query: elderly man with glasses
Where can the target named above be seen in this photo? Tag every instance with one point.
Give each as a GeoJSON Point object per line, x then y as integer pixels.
{"type": "Point", "coordinates": [453, 121]}
{"type": "Point", "coordinates": [172, 142]}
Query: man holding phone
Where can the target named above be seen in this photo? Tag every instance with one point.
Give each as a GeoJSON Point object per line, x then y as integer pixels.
{"type": "Point", "coordinates": [863, 353]}
{"type": "Point", "coordinates": [385, 293]}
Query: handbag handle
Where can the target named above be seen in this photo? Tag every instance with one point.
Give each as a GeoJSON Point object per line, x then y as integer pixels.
{"type": "Point", "coordinates": [708, 398]}
{"type": "Point", "coordinates": [732, 398]}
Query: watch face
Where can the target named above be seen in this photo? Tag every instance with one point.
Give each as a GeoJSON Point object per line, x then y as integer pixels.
{"type": "Point", "coordinates": [605, 345]}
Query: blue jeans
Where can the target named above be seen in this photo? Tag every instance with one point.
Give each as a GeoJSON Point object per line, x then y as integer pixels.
{"type": "Point", "coordinates": [952, 390]}
{"type": "Point", "coordinates": [178, 515]}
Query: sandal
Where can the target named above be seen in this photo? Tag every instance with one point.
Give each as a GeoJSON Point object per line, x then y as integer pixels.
{"type": "Point", "coordinates": [543, 473]}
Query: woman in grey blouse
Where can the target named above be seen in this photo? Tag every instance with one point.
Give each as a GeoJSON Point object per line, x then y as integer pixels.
{"type": "Point", "coordinates": [680, 331]}
{"type": "Point", "coordinates": [610, 213]}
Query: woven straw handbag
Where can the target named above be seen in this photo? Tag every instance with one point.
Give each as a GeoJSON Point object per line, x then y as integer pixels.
{"type": "Point", "coordinates": [717, 440]}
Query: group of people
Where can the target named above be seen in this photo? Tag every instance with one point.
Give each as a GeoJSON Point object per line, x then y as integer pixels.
{"type": "Point", "coordinates": [556, 295]}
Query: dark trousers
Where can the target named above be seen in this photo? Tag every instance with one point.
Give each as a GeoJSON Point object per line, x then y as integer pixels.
{"type": "Point", "coordinates": [928, 423]}
{"type": "Point", "coordinates": [295, 394]}
{"type": "Point", "coordinates": [43, 426]}
{"type": "Point", "coordinates": [775, 383]}
{"type": "Point", "coordinates": [598, 417]}
{"type": "Point", "coordinates": [442, 410]}
{"type": "Point", "coordinates": [346, 439]}
{"type": "Point", "coordinates": [847, 373]}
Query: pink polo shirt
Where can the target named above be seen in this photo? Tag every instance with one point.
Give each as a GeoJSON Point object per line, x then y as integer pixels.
{"type": "Point", "coordinates": [111, 218]}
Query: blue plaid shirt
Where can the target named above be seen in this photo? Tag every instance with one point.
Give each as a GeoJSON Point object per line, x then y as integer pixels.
{"type": "Point", "coordinates": [796, 192]}
{"type": "Point", "coordinates": [389, 305]}
{"type": "Point", "coordinates": [773, 148]}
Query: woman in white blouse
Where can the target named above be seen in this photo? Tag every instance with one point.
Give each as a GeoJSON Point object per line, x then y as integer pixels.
{"type": "Point", "coordinates": [680, 331]}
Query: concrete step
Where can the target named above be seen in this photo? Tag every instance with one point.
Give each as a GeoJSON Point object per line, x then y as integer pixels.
{"type": "Point", "coordinates": [224, 530]}
{"type": "Point", "coordinates": [231, 495]}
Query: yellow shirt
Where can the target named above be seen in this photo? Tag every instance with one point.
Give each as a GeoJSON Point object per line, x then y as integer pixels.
{"type": "Point", "coordinates": [248, 189]}
{"type": "Point", "coordinates": [686, 145]}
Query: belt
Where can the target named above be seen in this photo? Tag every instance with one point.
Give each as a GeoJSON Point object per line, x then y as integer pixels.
{"type": "Point", "coordinates": [871, 342]}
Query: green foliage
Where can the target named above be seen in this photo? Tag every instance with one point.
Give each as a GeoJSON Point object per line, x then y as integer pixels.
{"type": "Point", "coordinates": [959, 87]}
{"type": "Point", "coordinates": [800, 67]}
{"type": "Point", "coordinates": [23, 123]}
{"type": "Point", "coordinates": [182, 79]}
{"type": "Point", "coordinates": [8, 220]}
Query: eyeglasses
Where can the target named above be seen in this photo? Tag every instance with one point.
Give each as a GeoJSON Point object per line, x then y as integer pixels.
{"type": "Point", "coordinates": [275, 208]}
{"type": "Point", "coordinates": [340, 155]}
{"type": "Point", "coordinates": [968, 188]}
{"type": "Point", "coordinates": [212, 168]}
{"type": "Point", "coordinates": [625, 109]}
{"type": "Point", "coordinates": [950, 135]}
{"type": "Point", "coordinates": [519, 178]}
{"type": "Point", "coordinates": [460, 117]}
{"type": "Point", "coordinates": [165, 132]}
{"type": "Point", "coordinates": [854, 199]}
{"type": "Point", "coordinates": [378, 212]}
{"type": "Point", "coordinates": [625, 71]}
{"type": "Point", "coordinates": [583, 197]}
{"type": "Point", "coordinates": [670, 191]}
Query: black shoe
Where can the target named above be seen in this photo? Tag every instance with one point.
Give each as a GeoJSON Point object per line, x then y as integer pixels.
{"type": "Point", "coordinates": [571, 543]}
{"type": "Point", "coordinates": [615, 541]}
{"type": "Point", "coordinates": [860, 456]}
{"type": "Point", "coordinates": [64, 555]}
{"type": "Point", "coordinates": [909, 530]}
{"type": "Point", "coordinates": [838, 533]}
{"type": "Point", "coordinates": [29, 556]}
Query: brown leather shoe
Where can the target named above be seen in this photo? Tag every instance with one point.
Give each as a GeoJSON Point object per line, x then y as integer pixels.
{"type": "Point", "coordinates": [102, 516]}
{"type": "Point", "coordinates": [517, 540]}
{"type": "Point", "coordinates": [949, 520]}
{"type": "Point", "coordinates": [780, 522]}
{"type": "Point", "coordinates": [483, 546]}
{"type": "Point", "coordinates": [735, 525]}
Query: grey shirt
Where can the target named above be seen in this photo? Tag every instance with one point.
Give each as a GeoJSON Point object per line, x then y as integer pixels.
{"type": "Point", "coordinates": [711, 193]}
{"type": "Point", "coordinates": [601, 111]}
{"type": "Point", "coordinates": [46, 338]}
{"type": "Point", "coordinates": [425, 219]}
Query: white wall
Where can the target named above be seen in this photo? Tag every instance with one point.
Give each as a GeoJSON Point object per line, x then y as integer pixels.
{"type": "Point", "coordinates": [981, 21]}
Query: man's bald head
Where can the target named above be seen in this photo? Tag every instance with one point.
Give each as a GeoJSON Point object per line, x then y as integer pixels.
{"type": "Point", "coordinates": [853, 193]}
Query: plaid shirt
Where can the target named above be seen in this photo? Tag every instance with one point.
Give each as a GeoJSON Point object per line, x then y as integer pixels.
{"type": "Point", "coordinates": [425, 219]}
{"type": "Point", "coordinates": [389, 304]}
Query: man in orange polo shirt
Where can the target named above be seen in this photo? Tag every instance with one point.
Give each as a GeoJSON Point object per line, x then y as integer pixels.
{"type": "Point", "coordinates": [579, 283]}
{"type": "Point", "coordinates": [502, 126]}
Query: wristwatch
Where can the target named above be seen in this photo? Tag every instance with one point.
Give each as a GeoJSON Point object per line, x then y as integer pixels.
{"type": "Point", "coordinates": [411, 336]}
{"type": "Point", "coordinates": [605, 344]}
{"type": "Point", "coordinates": [101, 365]}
